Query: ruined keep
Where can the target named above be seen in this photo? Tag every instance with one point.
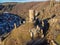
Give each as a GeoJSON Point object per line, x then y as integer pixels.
{"type": "Point", "coordinates": [31, 15]}
{"type": "Point", "coordinates": [52, 2]}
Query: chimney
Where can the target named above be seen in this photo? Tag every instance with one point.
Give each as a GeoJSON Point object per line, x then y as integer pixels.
{"type": "Point", "coordinates": [31, 15]}
{"type": "Point", "coordinates": [15, 25]}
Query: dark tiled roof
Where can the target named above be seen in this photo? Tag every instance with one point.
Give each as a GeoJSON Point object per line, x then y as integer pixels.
{"type": "Point", "coordinates": [7, 21]}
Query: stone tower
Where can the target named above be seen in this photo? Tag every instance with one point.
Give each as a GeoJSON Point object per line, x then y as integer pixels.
{"type": "Point", "coordinates": [15, 25]}
{"type": "Point", "coordinates": [31, 15]}
{"type": "Point", "coordinates": [52, 2]}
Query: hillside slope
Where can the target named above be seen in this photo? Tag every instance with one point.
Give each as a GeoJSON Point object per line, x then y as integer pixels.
{"type": "Point", "coordinates": [20, 35]}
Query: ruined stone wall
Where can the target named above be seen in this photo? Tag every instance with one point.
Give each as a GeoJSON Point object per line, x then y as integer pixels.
{"type": "Point", "coordinates": [31, 15]}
